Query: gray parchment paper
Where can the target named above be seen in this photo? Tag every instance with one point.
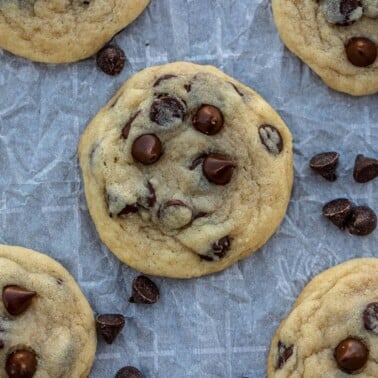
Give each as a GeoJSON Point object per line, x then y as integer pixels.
{"type": "Point", "coordinates": [217, 326]}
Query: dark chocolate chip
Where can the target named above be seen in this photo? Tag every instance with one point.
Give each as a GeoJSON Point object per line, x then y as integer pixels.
{"type": "Point", "coordinates": [197, 161]}
{"type": "Point", "coordinates": [325, 164]}
{"type": "Point", "coordinates": [221, 246]}
{"type": "Point", "coordinates": [284, 353]}
{"type": "Point", "coordinates": [365, 169]}
{"type": "Point", "coordinates": [147, 149]}
{"type": "Point", "coordinates": [17, 299]}
{"type": "Point", "coordinates": [188, 87]}
{"type": "Point", "coordinates": [110, 325]}
{"type": "Point", "coordinates": [200, 214]}
{"type": "Point", "coordinates": [237, 90]}
{"type": "Point", "coordinates": [162, 78]}
{"type": "Point", "coordinates": [144, 291]}
{"type": "Point", "coordinates": [151, 200]}
{"type": "Point", "coordinates": [271, 138]}
{"type": "Point", "coordinates": [338, 211]}
{"type": "Point", "coordinates": [126, 129]}
{"type": "Point", "coordinates": [370, 317]}
{"type": "Point", "coordinates": [111, 60]}
{"type": "Point", "coordinates": [218, 168]}
{"type": "Point", "coordinates": [166, 109]}
{"type": "Point", "coordinates": [21, 363]}
{"type": "Point", "coordinates": [361, 52]}
{"type": "Point", "coordinates": [363, 221]}
{"type": "Point", "coordinates": [129, 372]}
{"type": "Point", "coordinates": [351, 355]}
{"type": "Point", "coordinates": [175, 214]}
{"type": "Point", "coordinates": [1, 344]}
{"type": "Point", "coordinates": [128, 209]}
{"type": "Point", "coordinates": [208, 120]}
{"type": "Point", "coordinates": [347, 7]}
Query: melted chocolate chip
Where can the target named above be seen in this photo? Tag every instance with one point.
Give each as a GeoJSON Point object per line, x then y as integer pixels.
{"type": "Point", "coordinates": [361, 52]}
{"type": "Point", "coordinates": [347, 7]}
{"type": "Point", "coordinates": [147, 149]}
{"type": "Point", "coordinates": [197, 161]}
{"type": "Point", "coordinates": [166, 110]}
{"type": "Point", "coordinates": [221, 246]}
{"type": "Point", "coordinates": [111, 60]}
{"type": "Point", "coordinates": [237, 90]}
{"type": "Point", "coordinates": [188, 87]}
{"type": "Point", "coordinates": [128, 209]}
{"type": "Point", "coordinates": [144, 291]}
{"type": "Point", "coordinates": [325, 164]}
{"type": "Point", "coordinates": [129, 372]}
{"type": "Point", "coordinates": [365, 169]}
{"type": "Point", "coordinates": [110, 325]}
{"type": "Point", "coordinates": [218, 168]}
{"type": "Point", "coordinates": [21, 364]}
{"type": "Point", "coordinates": [17, 299]}
{"type": "Point", "coordinates": [151, 200]}
{"type": "Point", "coordinates": [284, 353]}
{"type": "Point", "coordinates": [126, 129]}
{"type": "Point", "coordinates": [175, 214]}
{"type": "Point", "coordinates": [208, 120]}
{"type": "Point", "coordinates": [370, 317]}
{"type": "Point", "coordinates": [163, 78]}
{"type": "Point", "coordinates": [351, 355]}
{"type": "Point", "coordinates": [271, 138]}
{"type": "Point", "coordinates": [363, 221]}
{"type": "Point", "coordinates": [338, 211]}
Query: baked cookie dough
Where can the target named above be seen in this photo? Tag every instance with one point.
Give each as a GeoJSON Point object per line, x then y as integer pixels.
{"type": "Point", "coordinates": [338, 39]}
{"type": "Point", "coordinates": [186, 171]}
{"type": "Point", "coordinates": [332, 331]}
{"type": "Point", "coordinates": [60, 31]}
{"type": "Point", "coordinates": [46, 325]}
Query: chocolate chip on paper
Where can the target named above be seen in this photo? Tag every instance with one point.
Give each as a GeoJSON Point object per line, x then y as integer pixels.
{"type": "Point", "coordinates": [111, 60]}
{"type": "Point", "coordinates": [365, 169]}
{"type": "Point", "coordinates": [110, 325]}
{"type": "Point", "coordinates": [325, 164]}
{"type": "Point", "coordinates": [129, 372]}
{"type": "Point", "coordinates": [144, 291]}
{"type": "Point", "coordinates": [338, 211]}
{"type": "Point", "coordinates": [362, 222]}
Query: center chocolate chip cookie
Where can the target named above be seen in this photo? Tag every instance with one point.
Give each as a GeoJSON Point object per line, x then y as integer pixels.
{"type": "Point", "coordinates": [47, 327]}
{"type": "Point", "coordinates": [186, 171]}
{"type": "Point", "coordinates": [338, 39]}
{"type": "Point", "coordinates": [332, 330]}
{"type": "Point", "coordinates": [59, 31]}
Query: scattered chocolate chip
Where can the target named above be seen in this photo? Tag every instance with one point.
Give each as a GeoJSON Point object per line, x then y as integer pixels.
{"type": "Point", "coordinates": [370, 317]}
{"type": "Point", "coordinates": [17, 299]}
{"type": "Point", "coordinates": [363, 221]}
{"type": "Point", "coordinates": [147, 149]}
{"type": "Point", "coordinates": [129, 372]}
{"type": "Point", "coordinates": [188, 87]}
{"type": "Point", "coordinates": [237, 90]}
{"type": "Point", "coordinates": [144, 291]}
{"type": "Point", "coordinates": [166, 110]}
{"type": "Point", "coordinates": [218, 168]}
{"type": "Point", "coordinates": [21, 363]}
{"type": "Point", "coordinates": [128, 209]}
{"type": "Point", "coordinates": [325, 164]}
{"type": "Point", "coordinates": [111, 60]}
{"type": "Point", "coordinates": [338, 211]}
{"type": "Point", "coordinates": [162, 78]}
{"type": "Point", "coordinates": [284, 353]}
{"type": "Point", "coordinates": [110, 325]}
{"type": "Point", "coordinates": [208, 120]}
{"type": "Point", "coordinates": [221, 246]}
{"type": "Point", "coordinates": [361, 52]}
{"type": "Point", "coordinates": [365, 169]}
{"type": "Point", "coordinates": [351, 355]}
{"type": "Point", "coordinates": [151, 200]}
{"type": "Point", "coordinates": [126, 129]}
{"type": "Point", "coordinates": [271, 138]}
{"type": "Point", "coordinates": [175, 214]}
{"type": "Point", "coordinates": [197, 161]}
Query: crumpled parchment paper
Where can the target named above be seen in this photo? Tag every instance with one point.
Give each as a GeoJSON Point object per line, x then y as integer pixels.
{"type": "Point", "coordinates": [216, 326]}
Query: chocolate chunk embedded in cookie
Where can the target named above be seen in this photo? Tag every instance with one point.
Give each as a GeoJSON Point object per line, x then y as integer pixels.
{"type": "Point", "coordinates": [183, 175]}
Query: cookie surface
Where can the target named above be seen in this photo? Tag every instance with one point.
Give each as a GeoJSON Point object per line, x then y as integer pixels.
{"type": "Point", "coordinates": [45, 320]}
{"type": "Point", "coordinates": [186, 171]}
{"type": "Point", "coordinates": [59, 31]}
{"type": "Point", "coordinates": [332, 330]}
{"type": "Point", "coordinates": [338, 39]}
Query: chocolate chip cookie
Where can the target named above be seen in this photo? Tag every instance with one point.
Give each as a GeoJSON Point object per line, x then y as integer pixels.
{"type": "Point", "coordinates": [338, 39]}
{"type": "Point", "coordinates": [46, 325]}
{"type": "Point", "coordinates": [59, 31]}
{"type": "Point", "coordinates": [332, 330]}
{"type": "Point", "coordinates": [186, 171]}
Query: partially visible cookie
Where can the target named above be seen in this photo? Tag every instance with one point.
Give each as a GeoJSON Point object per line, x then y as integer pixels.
{"type": "Point", "coordinates": [186, 171]}
{"type": "Point", "coordinates": [332, 330]}
{"type": "Point", "coordinates": [338, 39]}
{"type": "Point", "coordinates": [59, 31]}
{"type": "Point", "coordinates": [47, 327]}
